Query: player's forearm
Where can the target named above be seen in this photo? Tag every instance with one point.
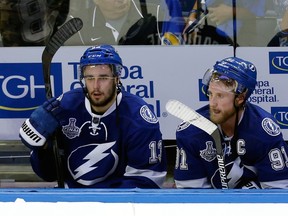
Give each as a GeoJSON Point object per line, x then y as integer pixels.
{"type": "Point", "coordinates": [137, 182]}
{"type": "Point", "coordinates": [193, 13]}
{"type": "Point", "coordinates": [243, 13]}
{"type": "Point", "coordinates": [156, 178]}
{"type": "Point", "coordinates": [284, 23]}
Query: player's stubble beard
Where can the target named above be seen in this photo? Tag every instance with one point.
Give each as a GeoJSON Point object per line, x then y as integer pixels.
{"type": "Point", "coordinates": [109, 96]}
{"type": "Point", "coordinates": [222, 116]}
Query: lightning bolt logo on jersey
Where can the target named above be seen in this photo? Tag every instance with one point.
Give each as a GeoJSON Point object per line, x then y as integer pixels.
{"type": "Point", "coordinates": [90, 169]}
{"type": "Point", "coordinates": [93, 148]}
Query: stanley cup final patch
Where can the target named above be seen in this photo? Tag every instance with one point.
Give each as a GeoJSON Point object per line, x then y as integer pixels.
{"type": "Point", "coordinates": [148, 115]}
{"type": "Point", "coordinates": [270, 127]}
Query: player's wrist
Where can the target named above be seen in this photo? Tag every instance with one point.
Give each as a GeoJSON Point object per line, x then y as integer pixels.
{"type": "Point", "coordinates": [191, 21]}
{"type": "Point", "coordinates": [36, 130]}
{"type": "Point", "coordinates": [193, 11]}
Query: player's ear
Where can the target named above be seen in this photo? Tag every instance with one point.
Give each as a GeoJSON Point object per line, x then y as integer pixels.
{"type": "Point", "coordinates": [117, 80]}
{"type": "Point", "coordinates": [119, 85]}
{"type": "Point", "coordinates": [239, 100]}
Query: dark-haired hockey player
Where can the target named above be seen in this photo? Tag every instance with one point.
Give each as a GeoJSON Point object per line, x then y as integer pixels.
{"type": "Point", "coordinates": [253, 146]}
{"type": "Point", "coordinates": [110, 138]}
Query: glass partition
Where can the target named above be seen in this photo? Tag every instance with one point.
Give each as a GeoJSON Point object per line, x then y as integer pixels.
{"type": "Point", "coordinates": [257, 23]}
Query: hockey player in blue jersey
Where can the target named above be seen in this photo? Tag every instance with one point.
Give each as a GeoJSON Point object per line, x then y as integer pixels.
{"type": "Point", "coordinates": [110, 138]}
{"type": "Point", "coordinates": [255, 153]}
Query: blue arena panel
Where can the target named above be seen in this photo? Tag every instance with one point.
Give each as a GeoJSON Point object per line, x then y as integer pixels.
{"type": "Point", "coordinates": [145, 195]}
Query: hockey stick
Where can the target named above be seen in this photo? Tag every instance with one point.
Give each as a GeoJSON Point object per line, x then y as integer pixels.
{"type": "Point", "coordinates": [185, 113]}
{"type": "Point", "coordinates": [234, 11]}
{"type": "Point", "coordinates": [202, 13]}
{"type": "Point", "coordinates": [67, 30]}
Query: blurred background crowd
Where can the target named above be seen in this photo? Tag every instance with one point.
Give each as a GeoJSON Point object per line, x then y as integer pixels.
{"type": "Point", "coordinates": [147, 22]}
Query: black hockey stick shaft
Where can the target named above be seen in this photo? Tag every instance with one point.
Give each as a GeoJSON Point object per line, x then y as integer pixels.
{"type": "Point", "coordinates": [220, 159]}
{"type": "Point", "coordinates": [234, 11]}
{"type": "Point", "coordinates": [67, 30]}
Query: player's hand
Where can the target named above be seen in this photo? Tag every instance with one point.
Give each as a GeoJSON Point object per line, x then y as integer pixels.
{"type": "Point", "coordinates": [42, 124]}
{"type": "Point", "coordinates": [220, 14]}
{"type": "Point", "coordinates": [190, 29]}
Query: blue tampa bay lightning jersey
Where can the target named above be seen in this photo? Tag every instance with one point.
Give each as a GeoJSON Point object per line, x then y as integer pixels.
{"type": "Point", "coordinates": [120, 149]}
{"type": "Point", "coordinates": [259, 157]}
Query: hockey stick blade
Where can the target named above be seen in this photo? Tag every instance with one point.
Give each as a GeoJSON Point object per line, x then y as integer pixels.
{"type": "Point", "coordinates": [181, 111]}
{"type": "Point", "coordinates": [185, 113]}
{"type": "Point", "coordinates": [67, 30]}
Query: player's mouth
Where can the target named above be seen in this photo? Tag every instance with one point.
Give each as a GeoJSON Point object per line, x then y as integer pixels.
{"type": "Point", "coordinates": [216, 111]}
{"type": "Point", "coordinates": [96, 95]}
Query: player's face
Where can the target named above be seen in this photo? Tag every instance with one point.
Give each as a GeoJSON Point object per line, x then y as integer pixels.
{"type": "Point", "coordinates": [101, 86]}
{"type": "Point", "coordinates": [113, 9]}
{"type": "Point", "coordinates": [221, 103]}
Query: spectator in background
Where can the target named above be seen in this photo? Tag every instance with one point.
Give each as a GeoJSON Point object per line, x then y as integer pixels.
{"type": "Point", "coordinates": [126, 22]}
{"type": "Point", "coordinates": [30, 23]}
{"type": "Point", "coordinates": [281, 37]}
{"type": "Point", "coordinates": [220, 15]}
